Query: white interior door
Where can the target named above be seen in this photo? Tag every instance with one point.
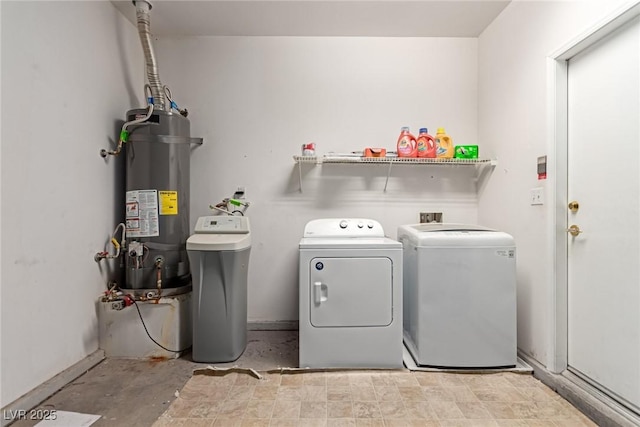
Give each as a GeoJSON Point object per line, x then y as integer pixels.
{"type": "Point", "coordinates": [604, 178]}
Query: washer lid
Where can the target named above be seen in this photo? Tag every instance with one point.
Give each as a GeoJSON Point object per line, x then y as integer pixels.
{"type": "Point", "coordinates": [218, 242]}
{"type": "Point", "coordinates": [453, 235]}
{"type": "Point", "coordinates": [343, 227]}
{"type": "Point", "coordinates": [349, 243]}
{"type": "Point", "coordinates": [439, 226]}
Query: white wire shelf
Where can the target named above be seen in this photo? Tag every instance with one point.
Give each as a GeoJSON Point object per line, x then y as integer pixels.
{"type": "Point", "coordinates": [480, 164]}
{"type": "Point", "coordinates": [388, 160]}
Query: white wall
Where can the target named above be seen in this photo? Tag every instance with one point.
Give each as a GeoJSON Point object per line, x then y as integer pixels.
{"type": "Point", "coordinates": [70, 70]}
{"type": "Point", "coordinates": [255, 100]}
{"type": "Point", "coordinates": [512, 106]}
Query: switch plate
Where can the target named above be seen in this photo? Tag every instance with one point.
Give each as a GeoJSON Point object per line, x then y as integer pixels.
{"type": "Point", "coordinates": [537, 196]}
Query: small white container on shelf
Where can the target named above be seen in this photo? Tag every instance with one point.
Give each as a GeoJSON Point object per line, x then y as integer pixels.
{"type": "Point", "coordinates": [309, 149]}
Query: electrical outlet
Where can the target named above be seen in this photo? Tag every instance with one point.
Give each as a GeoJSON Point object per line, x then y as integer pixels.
{"type": "Point", "coordinates": [536, 196]}
{"type": "Point", "coordinates": [239, 194]}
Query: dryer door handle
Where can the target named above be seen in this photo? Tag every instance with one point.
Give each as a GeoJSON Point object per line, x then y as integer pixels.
{"type": "Point", "coordinates": [319, 292]}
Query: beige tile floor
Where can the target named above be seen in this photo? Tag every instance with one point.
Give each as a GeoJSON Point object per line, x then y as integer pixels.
{"type": "Point", "coordinates": [370, 398]}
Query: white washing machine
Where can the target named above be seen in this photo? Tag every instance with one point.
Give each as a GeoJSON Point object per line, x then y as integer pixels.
{"type": "Point", "coordinates": [350, 295]}
{"type": "Point", "coordinates": [459, 295]}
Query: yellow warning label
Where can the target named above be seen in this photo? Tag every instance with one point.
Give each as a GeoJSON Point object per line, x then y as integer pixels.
{"type": "Point", "coordinates": [168, 202]}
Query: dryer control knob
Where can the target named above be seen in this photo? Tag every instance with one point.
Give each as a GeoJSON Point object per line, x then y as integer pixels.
{"type": "Point", "coordinates": [360, 225]}
{"type": "Point", "coordinates": [343, 224]}
{"type": "Point", "coordinates": [370, 225]}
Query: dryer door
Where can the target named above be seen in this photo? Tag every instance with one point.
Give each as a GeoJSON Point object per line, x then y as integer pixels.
{"type": "Point", "coordinates": [350, 292]}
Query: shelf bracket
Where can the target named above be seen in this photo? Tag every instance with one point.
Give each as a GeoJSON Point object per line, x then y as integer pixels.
{"type": "Point", "coordinates": [300, 175]}
{"type": "Point", "coordinates": [388, 175]}
{"type": "Point", "coordinates": [483, 171]}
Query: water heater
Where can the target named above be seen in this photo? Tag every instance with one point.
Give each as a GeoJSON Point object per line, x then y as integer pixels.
{"type": "Point", "coordinates": [158, 144]}
{"type": "Point", "coordinates": [157, 200]}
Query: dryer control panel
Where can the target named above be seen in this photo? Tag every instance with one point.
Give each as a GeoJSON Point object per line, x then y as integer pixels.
{"type": "Point", "coordinates": [343, 227]}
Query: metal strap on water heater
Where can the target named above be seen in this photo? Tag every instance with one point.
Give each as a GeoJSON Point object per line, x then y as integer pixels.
{"type": "Point", "coordinates": [165, 139]}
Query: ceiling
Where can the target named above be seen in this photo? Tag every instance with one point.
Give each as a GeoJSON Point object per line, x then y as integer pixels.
{"type": "Point", "coordinates": [373, 18]}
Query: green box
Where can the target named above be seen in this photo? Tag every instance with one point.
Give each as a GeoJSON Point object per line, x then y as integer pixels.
{"type": "Point", "coordinates": [466, 152]}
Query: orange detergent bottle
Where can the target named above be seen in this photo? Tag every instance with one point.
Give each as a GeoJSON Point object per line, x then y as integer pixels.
{"type": "Point", "coordinates": [406, 144]}
{"type": "Point", "coordinates": [425, 144]}
{"type": "Point", "coordinates": [444, 145]}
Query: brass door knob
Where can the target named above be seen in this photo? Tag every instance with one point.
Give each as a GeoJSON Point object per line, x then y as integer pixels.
{"type": "Point", "coordinates": [574, 206]}
{"type": "Point", "coordinates": [574, 230]}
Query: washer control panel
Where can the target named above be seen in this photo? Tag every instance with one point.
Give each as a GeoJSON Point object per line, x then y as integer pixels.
{"type": "Point", "coordinates": [343, 227]}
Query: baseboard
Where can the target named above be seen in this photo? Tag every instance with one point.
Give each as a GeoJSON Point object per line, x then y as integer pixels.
{"type": "Point", "coordinates": [280, 325]}
{"type": "Point", "coordinates": [602, 410]}
{"type": "Point", "coordinates": [50, 387]}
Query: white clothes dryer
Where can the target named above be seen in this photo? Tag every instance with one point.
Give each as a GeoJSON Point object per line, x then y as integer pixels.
{"type": "Point", "coordinates": [350, 295]}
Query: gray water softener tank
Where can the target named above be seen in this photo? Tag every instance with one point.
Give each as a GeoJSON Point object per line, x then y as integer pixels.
{"type": "Point", "coordinates": [219, 257]}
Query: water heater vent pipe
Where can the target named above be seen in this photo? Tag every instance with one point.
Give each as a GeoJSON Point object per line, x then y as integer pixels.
{"type": "Point", "coordinates": [144, 30]}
